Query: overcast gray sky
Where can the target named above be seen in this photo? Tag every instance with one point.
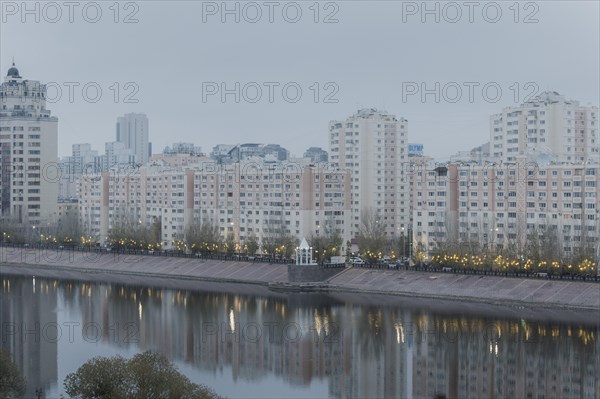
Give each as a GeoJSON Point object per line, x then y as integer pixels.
{"type": "Point", "coordinates": [367, 57]}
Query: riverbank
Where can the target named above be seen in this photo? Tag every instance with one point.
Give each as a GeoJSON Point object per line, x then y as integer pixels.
{"type": "Point", "coordinates": [496, 290]}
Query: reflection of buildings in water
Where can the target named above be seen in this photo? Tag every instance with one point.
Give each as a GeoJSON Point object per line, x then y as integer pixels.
{"type": "Point", "coordinates": [361, 351]}
{"type": "Point", "coordinates": [30, 329]}
{"type": "Point", "coordinates": [505, 359]}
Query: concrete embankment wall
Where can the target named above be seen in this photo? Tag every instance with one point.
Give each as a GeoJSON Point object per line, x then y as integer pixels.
{"type": "Point", "coordinates": [474, 288]}
{"type": "Point", "coordinates": [489, 289]}
{"type": "Point", "coordinates": [187, 268]}
{"type": "Point", "coordinates": [314, 273]}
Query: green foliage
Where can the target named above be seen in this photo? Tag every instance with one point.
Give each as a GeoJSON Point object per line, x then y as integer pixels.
{"type": "Point", "coordinates": [146, 376]}
{"type": "Point", "coordinates": [12, 385]}
{"type": "Point", "coordinates": [101, 377]}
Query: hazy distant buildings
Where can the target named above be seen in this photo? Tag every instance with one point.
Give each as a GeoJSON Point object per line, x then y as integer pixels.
{"type": "Point", "coordinates": [183, 148]}
{"type": "Point", "coordinates": [316, 155]}
{"type": "Point", "coordinates": [220, 152]}
{"type": "Point", "coordinates": [227, 154]}
{"type": "Point", "coordinates": [478, 154]}
{"type": "Point", "coordinates": [83, 160]}
{"type": "Point", "coordinates": [372, 145]}
{"type": "Point", "coordinates": [546, 125]}
{"type": "Point", "coordinates": [132, 130]}
{"type": "Point", "coordinates": [28, 152]}
{"type": "Point", "coordinates": [117, 153]}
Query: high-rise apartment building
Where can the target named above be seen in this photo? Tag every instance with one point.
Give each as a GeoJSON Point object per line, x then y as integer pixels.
{"type": "Point", "coordinates": [373, 145]}
{"type": "Point", "coordinates": [132, 130]}
{"type": "Point", "coordinates": [548, 125]}
{"type": "Point", "coordinates": [29, 171]}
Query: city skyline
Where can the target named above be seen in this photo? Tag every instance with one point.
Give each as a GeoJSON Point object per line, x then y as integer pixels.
{"type": "Point", "coordinates": [343, 199]}
{"type": "Point", "coordinates": [373, 79]}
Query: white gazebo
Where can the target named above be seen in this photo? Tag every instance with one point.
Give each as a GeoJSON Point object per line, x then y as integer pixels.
{"type": "Point", "coordinates": [304, 254]}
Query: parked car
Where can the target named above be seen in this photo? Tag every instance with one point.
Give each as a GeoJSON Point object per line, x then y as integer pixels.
{"type": "Point", "coordinates": [402, 261]}
{"type": "Point", "coordinates": [357, 261]}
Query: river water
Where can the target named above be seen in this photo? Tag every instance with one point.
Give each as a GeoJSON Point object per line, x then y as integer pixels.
{"type": "Point", "coordinates": [248, 342]}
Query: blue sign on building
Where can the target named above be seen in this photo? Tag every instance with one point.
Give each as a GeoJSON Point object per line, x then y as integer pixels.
{"type": "Point", "coordinates": [415, 149]}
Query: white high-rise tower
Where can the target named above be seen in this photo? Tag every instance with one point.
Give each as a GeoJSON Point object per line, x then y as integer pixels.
{"type": "Point", "coordinates": [372, 144]}
{"type": "Point", "coordinates": [29, 172]}
{"type": "Point", "coordinates": [132, 130]}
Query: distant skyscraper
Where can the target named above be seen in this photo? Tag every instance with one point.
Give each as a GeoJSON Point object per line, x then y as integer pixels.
{"type": "Point", "coordinates": [28, 152]}
{"type": "Point", "coordinates": [132, 130]}
{"type": "Point", "coordinates": [372, 144]}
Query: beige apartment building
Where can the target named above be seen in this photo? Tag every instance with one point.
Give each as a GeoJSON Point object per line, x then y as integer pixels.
{"type": "Point", "coordinates": [245, 198]}
{"type": "Point", "coordinates": [372, 146]}
{"type": "Point", "coordinates": [29, 172]}
{"type": "Point", "coordinates": [498, 205]}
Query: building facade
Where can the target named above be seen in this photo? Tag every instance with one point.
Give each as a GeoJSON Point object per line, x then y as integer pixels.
{"type": "Point", "coordinates": [132, 130]}
{"type": "Point", "coordinates": [247, 198]}
{"type": "Point", "coordinates": [29, 171]}
{"type": "Point", "coordinates": [83, 160]}
{"type": "Point", "coordinates": [510, 205]}
{"type": "Point", "coordinates": [372, 146]}
{"type": "Point", "coordinates": [548, 125]}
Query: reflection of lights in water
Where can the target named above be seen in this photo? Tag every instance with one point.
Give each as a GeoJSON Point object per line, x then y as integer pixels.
{"type": "Point", "coordinates": [231, 320]}
{"type": "Point", "coordinates": [318, 325]}
{"type": "Point", "coordinates": [496, 349]}
{"type": "Point", "coordinates": [321, 322]}
{"type": "Point", "coordinates": [399, 333]}
{"type": "Point", "coordinates": [140, 311]}
{"type": "Point", "coordinates": [33, 284]}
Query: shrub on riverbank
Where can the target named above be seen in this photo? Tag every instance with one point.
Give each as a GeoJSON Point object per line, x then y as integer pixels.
{"type": "Point", "coordinates": [12, 385]}
{"type": "Point", "coordinates": [145, 376]}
